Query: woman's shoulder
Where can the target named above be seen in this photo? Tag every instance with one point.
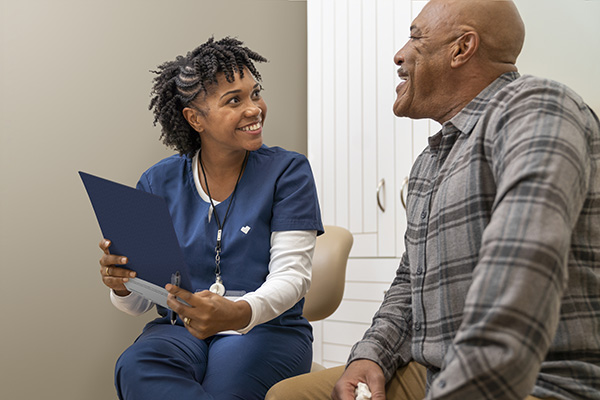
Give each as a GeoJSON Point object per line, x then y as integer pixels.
{"type": "Point", "coordinates": [278, 154]}
{"type": "Point", "coordinates": [168, 170]}
{"type": "Point", "coordinates": [279, 165]}
{"type": "Point", "coordinates": [168, 165]}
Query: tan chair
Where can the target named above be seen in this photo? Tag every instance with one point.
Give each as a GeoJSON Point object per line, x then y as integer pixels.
{"type": "Point", "coordinates": [328, 279]}
{"type": "Point", "coordinates": [328, 275]}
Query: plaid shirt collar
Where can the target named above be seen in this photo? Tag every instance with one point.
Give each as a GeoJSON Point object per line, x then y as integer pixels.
{"type": "Point", "coordinates": [467, 118]}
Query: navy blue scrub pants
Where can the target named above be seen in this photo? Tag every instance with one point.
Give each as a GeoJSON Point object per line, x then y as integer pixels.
{"type": "Point", "coordinates": [167, 362]}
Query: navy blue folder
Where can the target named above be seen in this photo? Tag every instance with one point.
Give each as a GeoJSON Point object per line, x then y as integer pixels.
{"type": "Point", "coordinates": [140, 227]}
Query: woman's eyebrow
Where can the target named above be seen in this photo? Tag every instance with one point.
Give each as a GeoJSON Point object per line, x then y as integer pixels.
{"type": "Point", "coordinates": [231, 92]}
{"type": "Point", "coordinates": [238, 90]}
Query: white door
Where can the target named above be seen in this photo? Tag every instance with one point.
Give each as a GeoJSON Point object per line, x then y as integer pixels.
{"type": "Point", "coordinates": [359, 151]}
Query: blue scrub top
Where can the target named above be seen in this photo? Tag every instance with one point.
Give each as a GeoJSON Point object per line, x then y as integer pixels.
{"type": "Point", "coordinates": [276, 193]}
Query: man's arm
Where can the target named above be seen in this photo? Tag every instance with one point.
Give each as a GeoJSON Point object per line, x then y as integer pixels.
{"type": "Point", "coordinates": [542, 165]}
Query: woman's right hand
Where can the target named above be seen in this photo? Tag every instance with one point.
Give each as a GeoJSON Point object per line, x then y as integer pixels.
{"type": "Point", "coordinates": [112, 276]}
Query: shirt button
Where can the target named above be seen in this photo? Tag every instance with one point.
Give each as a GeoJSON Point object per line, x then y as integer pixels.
{"type": "Point", "coordinates": [419, 270]}
{"type": "Point", "coordinates": [417, 326]}
{"type": "Point", "coordinates": [424, 215]}
{"type": "Point", "coordinates": [442, 383]}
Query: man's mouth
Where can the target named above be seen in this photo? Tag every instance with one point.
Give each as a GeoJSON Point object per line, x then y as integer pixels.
{"type": "Point", "coordinates": [403, 80]}
{"type": "Point", "coordinates": [402, 75]}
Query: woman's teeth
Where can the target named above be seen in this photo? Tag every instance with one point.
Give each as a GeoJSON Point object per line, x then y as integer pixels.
{"type": "Point", "coordinates": [252, 127]}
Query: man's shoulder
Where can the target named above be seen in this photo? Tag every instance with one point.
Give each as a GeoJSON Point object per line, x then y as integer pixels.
{"type": "Point", "coordinates": [533, 81]}
{"type": "Point", "coordinates": [535, 92]}
{"type": "Point", "coordinates": [543, 86]}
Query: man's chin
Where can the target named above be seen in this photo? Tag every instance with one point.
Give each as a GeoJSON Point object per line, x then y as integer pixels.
{"type": "Point", "coordinates": [399, 110]}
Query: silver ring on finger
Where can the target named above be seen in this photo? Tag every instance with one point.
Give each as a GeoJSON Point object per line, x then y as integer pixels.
{"type": "Point", "coordinates": [187, 321]}
{"type": "Point", "coordinates": [107, 271]}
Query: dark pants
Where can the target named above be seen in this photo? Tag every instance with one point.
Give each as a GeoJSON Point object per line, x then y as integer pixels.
{"type": "Point", "coordinates": [167, 362]}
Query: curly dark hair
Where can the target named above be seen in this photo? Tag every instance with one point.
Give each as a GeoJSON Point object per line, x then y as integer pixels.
{"type": "Point", "coordinates": [179, 82]}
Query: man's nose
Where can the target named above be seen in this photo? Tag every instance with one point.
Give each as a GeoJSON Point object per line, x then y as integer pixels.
{"type": "Point", "coordinates": [398, 57]}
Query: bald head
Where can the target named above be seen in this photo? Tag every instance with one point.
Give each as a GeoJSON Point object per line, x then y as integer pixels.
{"type": "Point", "coordinates": [456, 49]}
{"type": "Point", "coordinates": [497, 22]}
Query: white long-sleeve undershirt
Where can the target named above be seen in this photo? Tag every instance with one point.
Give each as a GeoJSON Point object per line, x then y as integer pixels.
{"type": "Point", "coordinates": [290, 269]}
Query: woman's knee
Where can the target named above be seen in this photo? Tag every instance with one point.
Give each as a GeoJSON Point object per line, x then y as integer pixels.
{"type": "Point", "coordinates": [155, 356]}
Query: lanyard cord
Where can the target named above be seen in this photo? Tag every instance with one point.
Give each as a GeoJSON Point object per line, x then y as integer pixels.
{"type": "Point", "coordinates": [219, 225]}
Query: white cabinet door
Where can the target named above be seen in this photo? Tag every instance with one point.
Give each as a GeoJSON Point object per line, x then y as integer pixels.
{"type": "Point", "coordinates": [360, 152]}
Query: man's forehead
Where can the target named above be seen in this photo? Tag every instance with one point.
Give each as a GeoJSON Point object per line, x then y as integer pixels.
{"type": "Point", "coordinates": [427, 16]}
{"type": "Point", "coordinates": [419, 26]}
{"type": "Point", "coordinates": [436, 16]}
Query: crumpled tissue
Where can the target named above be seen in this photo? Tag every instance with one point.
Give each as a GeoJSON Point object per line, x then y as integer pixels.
{"type": "Point", "coordinates": [362, 391]}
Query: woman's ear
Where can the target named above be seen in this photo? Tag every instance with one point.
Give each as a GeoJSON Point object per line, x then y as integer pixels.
{"type": "Point", "coordinates": [193, 118]}
{"type": "Point", "coordinates": [464, 49]}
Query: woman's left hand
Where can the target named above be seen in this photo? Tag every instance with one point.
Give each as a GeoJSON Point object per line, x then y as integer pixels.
{"type": "Point", "coordinates": [208, 313]}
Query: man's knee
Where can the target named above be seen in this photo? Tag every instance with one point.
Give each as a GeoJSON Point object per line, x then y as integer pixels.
{"type": "Point", "coordinates": [282, 391]}
{"type": "Point", "coordinates": [291, 389]}
{"type": "Point", "coordinates": [311, 386]}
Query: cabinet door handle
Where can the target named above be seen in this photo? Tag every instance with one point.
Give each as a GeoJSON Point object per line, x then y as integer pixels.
{"type": "Point", "coordinates": [402, 194]}
{"type": "Point", "coordinates": [380, 186]}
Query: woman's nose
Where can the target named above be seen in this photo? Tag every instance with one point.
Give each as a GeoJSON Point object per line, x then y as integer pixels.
{"type": "Point", "coordinates": [253, 111]}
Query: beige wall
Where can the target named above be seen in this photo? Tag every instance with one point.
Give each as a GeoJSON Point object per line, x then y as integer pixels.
{"type": "Point", "coordinates": [74, 93]}
{"type": "Point", "coordinates": [562, 42]}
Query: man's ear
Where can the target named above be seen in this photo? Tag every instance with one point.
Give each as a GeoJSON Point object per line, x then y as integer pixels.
{"type": "Point", "coordinates": [464, 48]}
{"type": "Point", "coordinates": [193, 118]}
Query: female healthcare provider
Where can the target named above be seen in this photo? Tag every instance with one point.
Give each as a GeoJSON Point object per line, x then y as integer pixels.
{"type": "Point", "coordinates": [246, 216]}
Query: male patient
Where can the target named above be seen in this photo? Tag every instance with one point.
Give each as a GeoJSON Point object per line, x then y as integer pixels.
{"type": "Point", "coordinates": [498, 293]}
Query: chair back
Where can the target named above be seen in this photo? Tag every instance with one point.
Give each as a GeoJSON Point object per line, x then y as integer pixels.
{"type": "Point", "coordinates": [328, 273]}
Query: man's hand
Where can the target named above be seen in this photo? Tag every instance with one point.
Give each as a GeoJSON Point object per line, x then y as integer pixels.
{"type": "Point", "coordinates": [365, 371]}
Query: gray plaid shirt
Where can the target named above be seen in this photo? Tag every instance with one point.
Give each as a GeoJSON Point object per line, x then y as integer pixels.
{"type": "Point", "coordinates": [498, 292]}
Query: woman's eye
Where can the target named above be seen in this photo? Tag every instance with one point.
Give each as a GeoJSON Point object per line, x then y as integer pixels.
{"type": "Point", "coordinates": [233, 100]}
{"type": "Point", "coordinates": [256, 94]}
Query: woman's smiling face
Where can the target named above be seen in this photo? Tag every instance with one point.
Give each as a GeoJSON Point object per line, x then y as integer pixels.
{"type": "Point", "coordinates": [232, 114]}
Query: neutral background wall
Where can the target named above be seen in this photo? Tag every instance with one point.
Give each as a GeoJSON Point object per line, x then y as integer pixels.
{"type": "Point", "coordinates": [562, 42]}
{"type": "Point", "coordinates": [74, 90]}
{"type": "Point", "coordinates": [74, 94]}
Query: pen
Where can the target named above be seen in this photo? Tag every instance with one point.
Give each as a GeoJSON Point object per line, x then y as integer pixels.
{"type": "Point", "coordinates": [175, 280]}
